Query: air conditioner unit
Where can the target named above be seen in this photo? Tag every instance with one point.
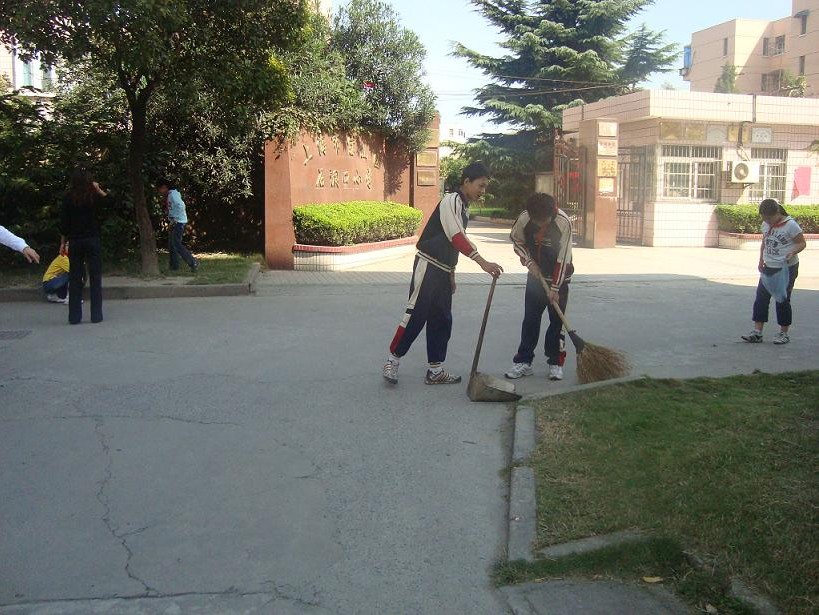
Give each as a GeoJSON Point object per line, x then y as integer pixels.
{"type": "Point", "coordinates": [744, 172]}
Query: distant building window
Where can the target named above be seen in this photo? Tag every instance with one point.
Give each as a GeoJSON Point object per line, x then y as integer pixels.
{"type": "Point", "coordinates": [801, 65]}
{"type": "Point", "coordinates": [772, 82]}
{"type": "Point", "coordinates": [724, 47]}
{"type": "Point", "coordinates": [48, 79]}
{"type": "Point", "coordinates": [461, 133]}
{"type": "Point", "coordinates": [766, 46]}
{"type": "Point", "coordinates": [803, 24]}
{"type": "Point", "coordinates": [772, 174]}
{"type": "Point", "coordinates": [451, 132]}
{"type": "Point", "coordinates": [28, 74]}
{"type": "Point", "coordinates": [691, 172]}
{"type": "Point", "coordinates": [687, 56]}
{"type": "Point", "coordinates": [779, 45]}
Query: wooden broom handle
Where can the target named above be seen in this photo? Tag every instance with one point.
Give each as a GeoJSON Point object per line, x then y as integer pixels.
{"type": "Point", "coordinates": [555, 306]}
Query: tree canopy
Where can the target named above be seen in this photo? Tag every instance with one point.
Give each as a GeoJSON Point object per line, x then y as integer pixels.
{"type": "Point", "coordinates": [386, 61]}
{"type": "Point", "coordinates": [558, 53]}
{"type": "Point", "coordinates": [229, 48]}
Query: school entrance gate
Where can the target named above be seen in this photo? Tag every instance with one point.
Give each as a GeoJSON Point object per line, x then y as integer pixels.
{"type": "Point", "coordinates": [634, 172]}
{"type": "Point", "coordinates": [570, 188]}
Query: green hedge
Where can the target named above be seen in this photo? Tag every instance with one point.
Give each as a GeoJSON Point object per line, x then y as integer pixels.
{"type": "Point", "coordinates": [344, 224]}
{"type": "Point", "coordinates": [745, 218]}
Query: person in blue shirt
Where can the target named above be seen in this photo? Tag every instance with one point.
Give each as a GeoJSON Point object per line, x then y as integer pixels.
{"type": "Point", "coordinates": [177, 219]}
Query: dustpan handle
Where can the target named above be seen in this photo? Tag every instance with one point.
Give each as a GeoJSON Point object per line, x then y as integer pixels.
{"type": "Point", "coordinates": [483, 325]}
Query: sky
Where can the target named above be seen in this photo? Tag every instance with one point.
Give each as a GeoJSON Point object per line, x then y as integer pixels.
{"type": "Point", "coordinates": [439, 22]}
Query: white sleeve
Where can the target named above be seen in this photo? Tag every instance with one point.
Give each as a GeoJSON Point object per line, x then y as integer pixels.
{"type": "Point", "coordinates": [518, 238]}
{"type": "Point", "coordinates": [9, 239]}
{"type": "Point", "coordinates": [451, 211]}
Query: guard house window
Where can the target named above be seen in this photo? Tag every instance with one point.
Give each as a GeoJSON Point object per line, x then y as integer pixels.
{"type": "Point", "coordinates": [691, 172]}
{"type": "Point", "coordinates": [801, 65]}
{"type": "Point", "coordinates": [724, 47]}
{"type": "Point", "coordinates": [772, 174]}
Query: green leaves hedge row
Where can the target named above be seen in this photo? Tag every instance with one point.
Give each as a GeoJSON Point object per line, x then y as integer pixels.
{"type": "Point", "coordinates": [344, 224]}
{"type": "Point", "coordinates": [745, 218]}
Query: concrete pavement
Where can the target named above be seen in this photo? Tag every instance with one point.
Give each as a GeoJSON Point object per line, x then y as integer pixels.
{"type": "Point", "coordinates": [242, 455]}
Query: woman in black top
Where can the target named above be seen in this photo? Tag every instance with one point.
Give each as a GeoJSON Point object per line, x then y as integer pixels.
{"type": "Point", "coordinates": [79, 224]}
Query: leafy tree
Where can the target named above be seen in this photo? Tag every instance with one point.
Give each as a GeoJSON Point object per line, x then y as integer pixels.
{"type": "Point", "coordinates": [558, 53]}
{"type": "Point", "coordinates": [386, 59]}
{"type": "Point", "coordinates": [727, 82]}
{"type": "Point", "coordinates": [450, 171]}
{"type": "Point", "coordinates": [230, 47]}
{"type": "Point", "coordinates": [793, 86]}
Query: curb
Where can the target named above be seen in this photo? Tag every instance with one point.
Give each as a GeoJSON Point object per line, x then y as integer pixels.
{"type": "Point", "coordinates": [522, 519]}
{"type": "Point", "coordinates": [247, 287]}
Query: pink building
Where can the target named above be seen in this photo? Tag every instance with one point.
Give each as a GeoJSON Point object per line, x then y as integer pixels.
{"type": "Point", "coordinates": [762, 52]}
{"type": "Point", "coordinates": [679, 154]}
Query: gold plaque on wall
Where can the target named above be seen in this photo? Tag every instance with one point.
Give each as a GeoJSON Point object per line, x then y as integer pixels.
{"type": "Point", "coordinates": [428, 158]}
{"type": "Point", "coordinates": [671, 131]}
{"type": "Point", "coordinates": [427, 177]}
{"type": "Point", "coordinates": [695, 131]}
{"type": "Point", "coordinates": [606, 147]}
{"type": "Point", "coordinates": [606, 168]}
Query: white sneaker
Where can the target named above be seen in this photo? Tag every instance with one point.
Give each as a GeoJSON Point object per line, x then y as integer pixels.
{"type": "Point", "coordinates": [64, 301]}
{"type": "Point", "coordinates": [781, 338]}
{"type": "Point", "coordinates": [519, 370]}
{"type": "Point", "coordinates": [555, 372]}
{"type": "Point", "coordinates": [391, 372]}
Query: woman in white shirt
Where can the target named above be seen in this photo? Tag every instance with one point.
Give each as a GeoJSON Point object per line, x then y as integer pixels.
{"type": "Point", "coordinates": [782, 240]}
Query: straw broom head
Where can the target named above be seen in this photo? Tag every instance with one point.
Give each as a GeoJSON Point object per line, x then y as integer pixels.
{"type": "Point", "coordinates": [596, 363]}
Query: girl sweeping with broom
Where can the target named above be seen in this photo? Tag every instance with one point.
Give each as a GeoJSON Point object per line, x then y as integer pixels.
{"type": "Point", "coordinates": [542, 238]}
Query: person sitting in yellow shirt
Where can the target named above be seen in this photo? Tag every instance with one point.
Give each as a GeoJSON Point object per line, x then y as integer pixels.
{"type": "Point", "coordinates": [55, 280]}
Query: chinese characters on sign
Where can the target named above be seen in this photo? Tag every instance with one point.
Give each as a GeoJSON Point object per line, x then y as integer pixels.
{"type": "Point", "coordinates": [364, 158]}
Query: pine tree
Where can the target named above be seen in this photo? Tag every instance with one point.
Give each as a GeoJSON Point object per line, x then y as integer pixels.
{"type": "Point", "coordinates": [727, 82]}
{"type": "Point", "coordinates": [559, 53]}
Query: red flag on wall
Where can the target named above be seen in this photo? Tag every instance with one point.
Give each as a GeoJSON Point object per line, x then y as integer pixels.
{"type": "Point", "coordinates": [801, 182]}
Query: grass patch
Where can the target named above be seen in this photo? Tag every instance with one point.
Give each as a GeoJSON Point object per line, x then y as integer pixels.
{"type": "Point", "coordinates": [655, 557]}
{"type": "Point", "coordinates": [214, 268]}
{"type": "Point", "coordinates": [726, 467]}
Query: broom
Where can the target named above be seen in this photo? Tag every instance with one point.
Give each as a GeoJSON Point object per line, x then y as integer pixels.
{"type": "Point", "coordinates": [594, 363]}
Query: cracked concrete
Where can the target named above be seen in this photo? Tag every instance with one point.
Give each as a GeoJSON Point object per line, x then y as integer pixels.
{"type": "Point", "coordinates": [255, 447]}
{"type": "Point", "coordinates": [102, 498]}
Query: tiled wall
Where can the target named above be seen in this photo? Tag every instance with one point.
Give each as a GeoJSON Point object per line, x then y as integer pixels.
{"type": "Point", "coordinates": [671, 224]}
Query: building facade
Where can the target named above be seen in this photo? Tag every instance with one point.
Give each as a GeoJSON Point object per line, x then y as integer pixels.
{"type": "Point", "coordinates": [762, 51]}
{"type": "Point", "coordinates": [31, 78]}
{"type": "Point", "coordinates": [679, 154]}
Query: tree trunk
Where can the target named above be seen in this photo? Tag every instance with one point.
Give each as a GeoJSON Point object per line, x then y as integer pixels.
{"type": "Point", "coordinates": [136, 158]}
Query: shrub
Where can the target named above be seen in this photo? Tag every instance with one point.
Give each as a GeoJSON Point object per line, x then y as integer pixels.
{"type": "Point", "coordinates": [745, 218]}
{"type": "Point", "coordinates": [344, 224]}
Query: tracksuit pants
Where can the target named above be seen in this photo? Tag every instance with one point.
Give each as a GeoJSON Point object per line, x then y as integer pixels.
{"type": "Point", "coordinates": [784, 312]}
{"type": "Point", "coordinates": [430, 305]}
{"type": "Point", "coordinates": [536, 301]}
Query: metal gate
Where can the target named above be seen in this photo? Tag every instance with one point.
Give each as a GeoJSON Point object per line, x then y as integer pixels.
{"type": "Point", "coordinates": [569, 192]}
{"type": "Point", "coordinates": [635, 171]}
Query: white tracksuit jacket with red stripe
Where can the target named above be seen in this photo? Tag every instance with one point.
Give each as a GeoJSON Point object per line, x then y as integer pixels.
{"type": "Point", "coordinates": [549, 246]}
